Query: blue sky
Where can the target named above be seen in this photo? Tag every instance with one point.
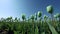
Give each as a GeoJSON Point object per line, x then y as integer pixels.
{"type": "Point", "coordinates": [15, 8]}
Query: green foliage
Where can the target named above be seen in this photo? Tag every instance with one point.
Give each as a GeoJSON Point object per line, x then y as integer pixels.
{"type": "Point", "coordinates": [52, 29]}
{"type": "Point", "coordinates": [27, 27]}
{"type": "Point", "coordinates": [43, 32]}
{"type": "Point", "coordinates": [36, 30]}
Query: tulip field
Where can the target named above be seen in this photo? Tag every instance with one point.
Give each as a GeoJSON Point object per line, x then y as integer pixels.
{"type": "Point", "coordinates": [36, 24]}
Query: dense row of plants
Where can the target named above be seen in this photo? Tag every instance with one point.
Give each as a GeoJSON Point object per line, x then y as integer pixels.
{"type": "Point", "coordinates": [34, 25]}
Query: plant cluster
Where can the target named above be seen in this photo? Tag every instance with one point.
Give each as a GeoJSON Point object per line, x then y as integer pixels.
{"type": "Point", "coordinates": [34, 25]}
